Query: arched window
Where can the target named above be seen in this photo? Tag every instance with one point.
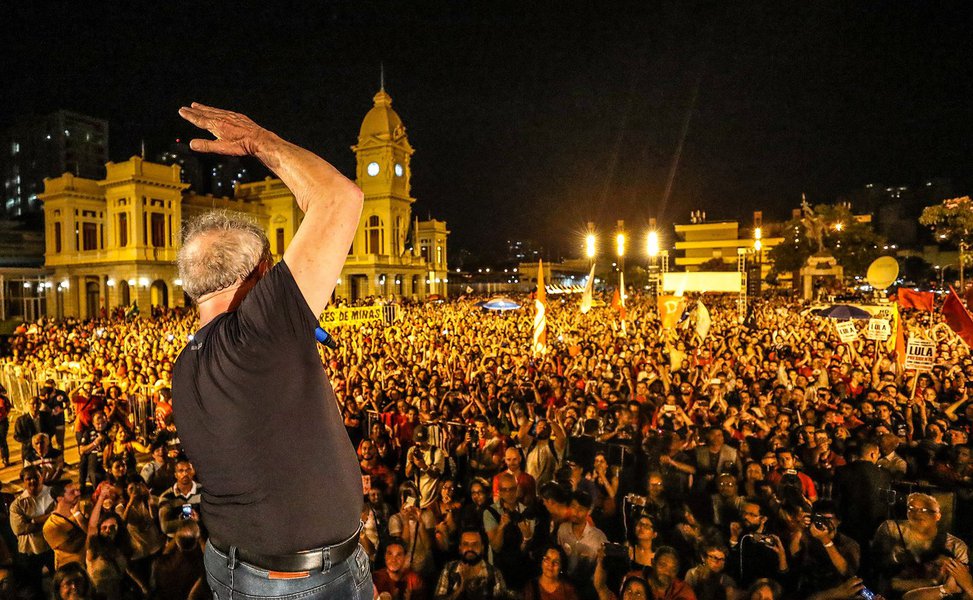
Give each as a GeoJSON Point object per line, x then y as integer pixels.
{"type": "Point", "coordinates": [374, 236]}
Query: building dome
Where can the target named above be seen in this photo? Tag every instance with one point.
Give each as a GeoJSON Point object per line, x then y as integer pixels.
{"type": "Point", "coordinates": [381, 121]}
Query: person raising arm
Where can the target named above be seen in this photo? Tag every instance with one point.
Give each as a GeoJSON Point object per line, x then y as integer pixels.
{"type": "Point", "coordinates": [331, 203]}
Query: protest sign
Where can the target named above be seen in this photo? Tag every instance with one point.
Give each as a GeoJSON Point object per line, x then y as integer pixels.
{"type": "Point", "coordinates": [878, 329]}
{"type": "Point", "coordinates": [920, 354]}
{"type": "Point", "coordinates": [846, 331]}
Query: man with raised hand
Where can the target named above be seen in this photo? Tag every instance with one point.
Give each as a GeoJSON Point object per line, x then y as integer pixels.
{"type": "Point", "coordinates": [254, 408]}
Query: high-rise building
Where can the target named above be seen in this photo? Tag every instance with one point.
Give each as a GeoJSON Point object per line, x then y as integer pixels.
{"type": "Point", "coordinates": [896, 208]}
{"type": "Point", "coordinates": [190, 165]}
{"type": "Point", "coordinates": [48, 146]}
{"type": "Point", "coordinates": [206, 174]}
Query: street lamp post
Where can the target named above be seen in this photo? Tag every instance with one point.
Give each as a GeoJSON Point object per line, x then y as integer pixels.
{"type": "Point", "coordinates": [590, 248]}
{"type": "Point", "coordinates": [653, 252]}
{"type": "Point", "coordinates": [758, 260]}
{"type": "Point", "coordinates": [589, 245]}
{"type": "Point", "coordinates": [620, 248]}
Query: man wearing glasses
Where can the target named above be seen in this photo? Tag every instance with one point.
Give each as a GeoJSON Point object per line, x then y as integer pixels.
{"type": "Point", "coordinates": [708, 579]}
{"type": "Point", "coordinates": [506, 512]}
{"type": "Point", "coordinates": [911, 552]}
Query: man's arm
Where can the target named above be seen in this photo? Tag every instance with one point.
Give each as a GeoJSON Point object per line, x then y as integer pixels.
{"type": "Point", "coordinates": [332, 203]}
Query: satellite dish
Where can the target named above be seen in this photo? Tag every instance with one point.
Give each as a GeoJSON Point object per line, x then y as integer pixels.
{"type": "Point", "coordinates": [882, 272]}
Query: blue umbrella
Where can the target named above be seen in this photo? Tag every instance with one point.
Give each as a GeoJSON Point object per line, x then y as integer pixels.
{"type": "Point", "coordinates": [843, 311]}
{"type": "Point", "coordinates": [499, 303]}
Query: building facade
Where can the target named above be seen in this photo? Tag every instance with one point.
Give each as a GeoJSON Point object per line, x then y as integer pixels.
{"type": "Point", "coordinates": [704, 241]}
{"type": "Point", "coordinates": [113, 242]}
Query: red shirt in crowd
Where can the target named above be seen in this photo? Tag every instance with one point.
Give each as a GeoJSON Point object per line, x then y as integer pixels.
{"type": "Point", "coordinates": [86, 406]}
{"type": "Point", "coordinates": [409, 585]}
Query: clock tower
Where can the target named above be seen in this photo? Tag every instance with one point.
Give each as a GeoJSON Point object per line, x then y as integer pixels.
{"type": "Point", "coordinates": [383, 155]}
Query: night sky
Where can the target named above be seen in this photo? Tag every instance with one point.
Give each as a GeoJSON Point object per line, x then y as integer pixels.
{"type": "Point", "coordinates": [529, 122]}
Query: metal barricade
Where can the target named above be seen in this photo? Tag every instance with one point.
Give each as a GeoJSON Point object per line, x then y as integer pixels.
{"type": "Point", "coordinates": [20, 383]}
{"type": "Point", "coordinates": [23, 383]}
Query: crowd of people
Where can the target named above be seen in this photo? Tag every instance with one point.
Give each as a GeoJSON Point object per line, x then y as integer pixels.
{"type": "Point", "coordinates": [766, 460]}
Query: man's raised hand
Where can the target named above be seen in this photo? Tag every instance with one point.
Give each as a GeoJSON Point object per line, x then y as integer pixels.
{"type": "Point", "coordinates": [236, 134]}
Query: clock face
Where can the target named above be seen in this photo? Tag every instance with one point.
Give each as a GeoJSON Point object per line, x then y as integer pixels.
{"type": "Point", "coordinates": [373, 169]}
{"type": "Point", "coordinates": [398, 170]}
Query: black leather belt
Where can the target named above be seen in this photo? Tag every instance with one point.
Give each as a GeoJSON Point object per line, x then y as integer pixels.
{"type": "Point", "coordinates": [305, 560]}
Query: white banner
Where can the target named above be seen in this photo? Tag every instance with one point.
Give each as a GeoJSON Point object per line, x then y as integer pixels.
{"type": "Point", "coordinates": [920, 354]}
{"type": "Point", "coordinates": [702, 281]}
{"type": "Point", "coordinates": [878, 329]}
{"type": "Point", "coordinates": [847, 332]}
{"type": "Point", "coordinates": [703, 321]}
{"type": "Point", "coordinates": [878, 311]}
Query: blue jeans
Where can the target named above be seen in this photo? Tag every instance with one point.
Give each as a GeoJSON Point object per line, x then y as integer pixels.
{"type": "Point", "coordinates": [231, 579]}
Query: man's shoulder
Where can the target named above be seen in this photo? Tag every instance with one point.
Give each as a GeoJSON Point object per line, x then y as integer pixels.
{"type": "Point", "coordinates": [846, 541]}
{"type": "Point", "coordinates": [451, 567]}
{"type": "Point", "coordinates": [955, 544]}
{"type": "Point", "coordinates": [594, 534]}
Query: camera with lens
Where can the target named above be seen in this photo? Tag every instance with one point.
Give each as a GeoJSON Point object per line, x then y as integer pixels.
{"type": "Point", "coordinates": [821, 522]}
{"type": "Point", "coordinates": [763, 538]}
{"type": "Point", "coordinates": [618, 551]}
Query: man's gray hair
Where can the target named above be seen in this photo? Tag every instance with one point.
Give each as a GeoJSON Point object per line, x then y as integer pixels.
{"type": "Point", "coordinates": [218, 249]}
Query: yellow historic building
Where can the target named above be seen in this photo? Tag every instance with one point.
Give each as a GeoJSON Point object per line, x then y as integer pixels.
{"type": "Point", "coordinates": [113, 242]}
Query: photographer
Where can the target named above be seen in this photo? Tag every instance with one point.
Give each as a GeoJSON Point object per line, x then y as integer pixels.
{"type": "Point", "coordinates": [753, 552]}
{"type": "Point", "coordinates": [486, 459]}
{"type": "Point", "coordinates": [509, 528]}
{"type": "Point", "coordinates": [424, 462]}
{"type": "Point", "coordinates": [545, 442]}
{"type": "Point", "coordinates": [828, 558]}
{"type": "Point", "coordinates": [91, 447]}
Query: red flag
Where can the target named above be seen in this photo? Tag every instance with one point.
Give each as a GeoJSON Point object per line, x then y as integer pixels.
{"type": "Point", "coordinates": [899, 339]}
{"type": "Point", "coordinates": [617, 304]}
{"type": "Point", "coordinates": [918, 300]}
{"type": "Point", "coordinates": [957, 317]}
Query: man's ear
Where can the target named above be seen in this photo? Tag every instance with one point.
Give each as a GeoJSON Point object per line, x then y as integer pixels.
{"type": "Point", "coordinates": [264, 265]}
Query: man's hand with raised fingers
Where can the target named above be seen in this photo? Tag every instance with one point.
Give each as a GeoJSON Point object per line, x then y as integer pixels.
{"type": "Point", "coordinates": [236, 134]}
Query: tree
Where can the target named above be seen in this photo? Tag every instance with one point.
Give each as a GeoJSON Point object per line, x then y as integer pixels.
{"type": "Point", "coordinates": [717, 264]}
{"type": "Point", "coordinates": [853, 244]}
{"type": "Point", "coordinates": [952, 222]}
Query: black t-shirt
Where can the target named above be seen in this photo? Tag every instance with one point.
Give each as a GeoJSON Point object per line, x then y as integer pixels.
{"type": "Point", "coordinates": [258, 417]}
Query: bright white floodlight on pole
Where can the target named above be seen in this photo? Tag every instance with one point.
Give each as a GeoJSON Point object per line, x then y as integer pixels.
{"type": "Point", "coordinates": [653, 244]}
{"type": "Point", "coordinates": [589, 245]}
{"type": "Point", "coordinates": [620, 244]}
